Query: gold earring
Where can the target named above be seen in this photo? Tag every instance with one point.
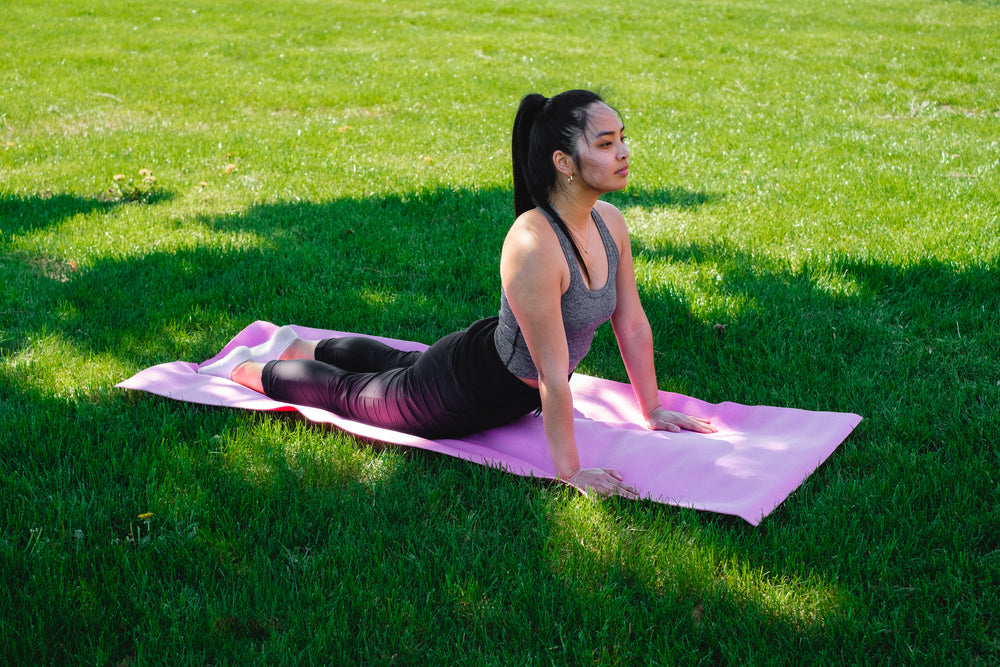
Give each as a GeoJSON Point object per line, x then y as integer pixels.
{"type": "Point", "coordinates": [570, 179]}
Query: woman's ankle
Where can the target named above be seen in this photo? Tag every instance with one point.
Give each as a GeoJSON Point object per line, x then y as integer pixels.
{"type": "Point", "coordinates": [249, 375]}
{"type": "Point", "coordinates": [299, 349]}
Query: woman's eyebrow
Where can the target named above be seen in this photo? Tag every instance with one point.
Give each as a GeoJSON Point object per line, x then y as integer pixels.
{"type": "Point", "coordinates": [607, 133]}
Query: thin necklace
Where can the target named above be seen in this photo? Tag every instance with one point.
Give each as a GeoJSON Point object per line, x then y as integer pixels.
{"type": "Point", "coordinates": [574, 234]}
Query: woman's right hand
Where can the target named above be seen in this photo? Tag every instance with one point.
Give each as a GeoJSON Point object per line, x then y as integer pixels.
{"type": "Point", "coordinates": [603, 481]}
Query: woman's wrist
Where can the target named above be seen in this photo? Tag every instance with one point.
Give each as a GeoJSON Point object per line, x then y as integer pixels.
{"type": "Point", "coordinates": [650, 414]}
{"type": "Point", "coordinates": [568, 477]}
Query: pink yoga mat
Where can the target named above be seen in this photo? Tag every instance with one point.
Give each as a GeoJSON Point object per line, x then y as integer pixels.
{"type": "Point", "coordinates": [758, 457]}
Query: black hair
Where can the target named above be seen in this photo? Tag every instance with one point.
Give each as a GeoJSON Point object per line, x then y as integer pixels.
{"type": "Point", "coordinates": [542, 127]}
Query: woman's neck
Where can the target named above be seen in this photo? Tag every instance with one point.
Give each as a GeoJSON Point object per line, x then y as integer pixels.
{"type": "Point", "coordinates": [575, 211]}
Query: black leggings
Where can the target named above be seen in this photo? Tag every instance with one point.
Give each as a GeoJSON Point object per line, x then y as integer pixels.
{"type": "Point", "coordinates": [455, 387]}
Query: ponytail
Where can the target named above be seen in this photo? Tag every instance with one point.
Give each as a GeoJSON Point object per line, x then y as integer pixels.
{"type": "Point", "coordinates": [543, 126]}
{"type": "Point", "coordinates": [524, 121]}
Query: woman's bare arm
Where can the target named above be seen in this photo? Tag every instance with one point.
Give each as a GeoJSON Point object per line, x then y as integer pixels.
{"type": "Point", "coordinates": [534, 274]}
{"type": "Point", "coordinates": [635, 337]}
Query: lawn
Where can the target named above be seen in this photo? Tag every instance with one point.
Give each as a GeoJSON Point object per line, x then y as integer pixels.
{"type": "Point", "coordinates": [814, 207]}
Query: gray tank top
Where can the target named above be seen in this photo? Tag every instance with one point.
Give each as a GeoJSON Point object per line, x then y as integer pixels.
{"type": "Point", "coordinates": [583, 309]}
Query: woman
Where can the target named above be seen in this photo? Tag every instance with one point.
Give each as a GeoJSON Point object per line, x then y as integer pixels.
{"type": "Point", "coordinates": [565, 269]}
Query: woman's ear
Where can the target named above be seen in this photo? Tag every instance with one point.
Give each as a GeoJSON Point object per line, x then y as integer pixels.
{"type": "Point", "coordinates": [563, 163]}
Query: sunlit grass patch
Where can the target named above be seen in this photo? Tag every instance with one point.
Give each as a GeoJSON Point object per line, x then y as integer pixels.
{"type": "Point", "coordinates": [617, 566]}
{"type": "Point", "coordinates": [51, 365]}
{"type": "Point", "coordinates": [284, 447]}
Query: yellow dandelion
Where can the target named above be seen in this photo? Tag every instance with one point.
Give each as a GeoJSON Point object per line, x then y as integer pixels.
{"type": "Point", "coordinates": [145, 172]}
{"type": "Point", "coordinates": [118, 177]}
{"type": "Point", "coordinates": [145, 516]}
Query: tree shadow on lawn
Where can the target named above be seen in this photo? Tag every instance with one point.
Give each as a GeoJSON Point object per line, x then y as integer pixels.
{"type": "Point", "coordinates": [377, 266]}
{"type": "Point", "coordinates": [420, 265]}
{"type": "Point", "coordinates": [32, 285]}
{"type": "Point", "coordinates": [24, 214]}
{"type": "Point", "coordinates": [911, 349]}
{"type": "Point", "coordinates": [843, 335]}
{"type": "Point", "coordinates": [412, 266]}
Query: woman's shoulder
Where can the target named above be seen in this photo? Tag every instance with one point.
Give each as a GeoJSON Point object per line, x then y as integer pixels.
{"type": "Point", "coordinates": [531, 244]}
{"type": "Point", "coordinates": [531, 231]}
{"type": "Point", "coordinates": [609, 213]}
{"type": "Point", "coordinates": [614, 221]}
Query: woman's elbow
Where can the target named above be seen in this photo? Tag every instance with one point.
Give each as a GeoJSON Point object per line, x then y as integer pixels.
{"type": "Point", "coordinates": [637, 328]}
{"type": "Point", "coordinates": [553, 380]}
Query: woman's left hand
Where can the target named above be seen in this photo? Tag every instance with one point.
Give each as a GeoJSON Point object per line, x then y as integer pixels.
{"type": "Point", "coordinates": [667, 420]}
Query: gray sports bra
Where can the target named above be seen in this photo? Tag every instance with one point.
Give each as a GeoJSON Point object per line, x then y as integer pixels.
{"type": "Point", "coordinates": [583, 309]}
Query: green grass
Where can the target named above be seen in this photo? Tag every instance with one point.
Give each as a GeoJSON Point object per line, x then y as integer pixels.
{"type": "Point", "coordinates": [820, 179]}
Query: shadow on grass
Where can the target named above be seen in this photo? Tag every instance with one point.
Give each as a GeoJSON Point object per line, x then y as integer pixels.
{"type": "Point", "coordinates": [861, 336]}
{"type": "Point", "coordinates": [414, 266]}
{"type": "Point", "coordinates": [678, 198]}
{"type": "Point", "coordinates": [911, 349]}
{"type": "Point", "coordinates": [24, 214]}
{"type": "Point", "coordinates": [33, 285]}
{"type": "Point", "coordinates": [853, 335]}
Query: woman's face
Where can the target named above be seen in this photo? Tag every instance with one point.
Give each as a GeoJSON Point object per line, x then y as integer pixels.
{"type": "Point", "coordinates": [602, 156]}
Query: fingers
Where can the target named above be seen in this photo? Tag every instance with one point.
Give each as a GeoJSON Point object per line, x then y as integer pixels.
{"type": "Point", "coordinates": [614, 487]}
{"type": "Point", "coordinates": [602, 481]}
{"type": "Point", "coordinates": [663, 420]}
{"type": "Point", "coordinates": [699, 425]}
{"type": "Point", "coordinates": [619, 488]}
{"type": "Point", "coordinates": [629, 492]}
